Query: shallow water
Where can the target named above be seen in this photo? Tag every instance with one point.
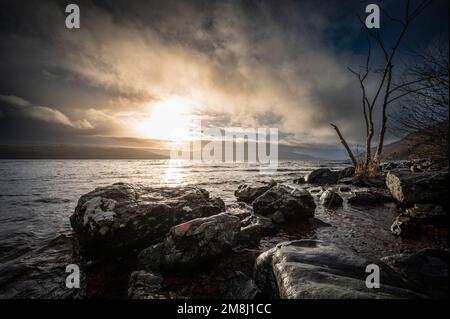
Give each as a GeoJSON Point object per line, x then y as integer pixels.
{"type": "Point", "coordinates": [38, 196]}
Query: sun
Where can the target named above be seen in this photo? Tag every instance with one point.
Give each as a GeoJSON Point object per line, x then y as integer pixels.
{"type": "Point", "coordinates": [170, 119]}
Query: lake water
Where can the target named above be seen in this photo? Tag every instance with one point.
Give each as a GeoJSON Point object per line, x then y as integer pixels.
{"type": "Point", "coordinates": [38, 196]}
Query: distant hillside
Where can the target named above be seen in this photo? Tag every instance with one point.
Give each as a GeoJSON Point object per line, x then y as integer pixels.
{"type": "Point", "coordinates": [98, 152]}
{"type": "Point", "coordinates": [414, 145]}
{"type": "Point", "coordinates": [75, 152]}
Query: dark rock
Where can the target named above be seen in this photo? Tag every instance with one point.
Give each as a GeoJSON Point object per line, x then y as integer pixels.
{"type": "Point", "coordinates": [250, 235]}
{"type": "Point", "coordinates": [145, 285]}
{"type": "Point", "coordinates": [429, 214]}
{"type": "Point", "coordinates": [300, 180]}
{"type": "Point", "coordinates": [293, 204]}
{"type": "Point", "coordinates": [240, 286]}
{"type": "Point", "coordinates": [347, 180]}
{"type": "Point", "coordinates": [345, 189]}
{"type": "Point", "coordinates": [389, 166]}
{"type": "Point", "coordinates": [240, 210]}
{"type": "Point", "coordinates": [265, 224]}
{"type": "Point", "coordinates": [331, 199]}
{"type": "Point", "coordinates": [368, 199]}
{"type": "Point", "coordinates": [427, 269]}
{"type": "Point", "coordinates": [410, 222]}
{"type": "Point", "coordinates": [192, 243]}
{"type": "Point", "coordinates": [411, 188]}
{"type": "Point", "coordinates": [253, 228]}
{"type": "Point", "coordinates": [120, 218]}
{"type": "Point", "coordinates": [322, 176]}
{"type": "Point", "coordinates": [377, 181]}
{"type": "Point", "coordinates": [312, 269]}
{"type": "Point", "coordinates": [278, 218]}
{"type": "Point", "coordinates": [248, 193]}
{"type": "Point", "coordinates": [346, 172]}
{"type": "Point", "coordinates": [315, 222]}
{"type": "Point", "coordinates": [316, 190]}
{"type": "Point", "coordinates": [405, 226]}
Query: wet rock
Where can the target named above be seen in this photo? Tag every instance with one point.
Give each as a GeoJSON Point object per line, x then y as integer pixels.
{"type": "Point", "coordinates": [145, 285]}
{"type": "Point", "coordinates": [293, 204]}
{"type": "Point", "coordinates": [312, 269]}
{"type": "Point", "coordinates": [404, 226]}
{"type": "Point", "coordinates": [347, 180]}
{"type": "Point", "coordinates": [322, 176]}
{"type": "Point", "coordinates": [426, 187]}
{"type": "Point", "coordinates": [345, 189]}
{"type": "Point", "coordinates": [317, 223]}
{"type": "Point", "coordinates": [278, 218]}
{"type": "Point", "coordinates": [331, 199]}
{"type": "Point", "coordinates": [346, 172]}
{"type": "Point", "coordinates": [253, 228]}
{"type": "Point", "coordinates": [240, 286]}
{"type": "Point", "coordinates": [316, 190]}
{"type": "Point", "coordinates": [368, 199]}
{"type": "Point", "coordinates": [429, 214]}
{"type": "Point", "coordinates": [240, 210]}
{"type": "Point", "coordinates": [300, 180]}
{"type": "Point", "coordinates": [248, 193]}
{"type": "Point", "coordinates": [410, 222]}
{"type": "Point", "coordinates": [389, 166]}
{"type": "Point", "coordinates": [250, 235]}
{"type": "Point", "coordinates": [427, 269]}
{"type": "Point", "coordinates": [376, 181]}
{"type": "Point", "coordinates": [120, 218]}
{"type": "Point", "coordinates": [192, 243]}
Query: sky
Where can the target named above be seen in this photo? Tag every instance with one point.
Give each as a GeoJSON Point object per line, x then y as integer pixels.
{"type": "Point", "coordinates": [140, 71]}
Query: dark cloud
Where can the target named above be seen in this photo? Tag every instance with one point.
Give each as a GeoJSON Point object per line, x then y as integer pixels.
{"type": "Point", "coordinates": [242, 63]}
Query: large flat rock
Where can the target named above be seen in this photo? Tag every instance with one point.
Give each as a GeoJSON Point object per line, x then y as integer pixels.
{"type": "Point", "coordinates": [312, 269]}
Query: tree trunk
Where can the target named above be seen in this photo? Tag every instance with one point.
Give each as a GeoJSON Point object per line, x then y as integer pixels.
{"type": "Point", "coordinates": [384, 117]}
{"type": "Point", "coordinates": [347, 148]}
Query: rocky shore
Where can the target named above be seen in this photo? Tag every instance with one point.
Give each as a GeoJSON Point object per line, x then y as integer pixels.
{"type": "Point", "coordinates": [181, 242]}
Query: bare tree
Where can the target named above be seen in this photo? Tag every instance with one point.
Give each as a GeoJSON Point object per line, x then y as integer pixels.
{"type": "Point", "coordinates": [385, 91]}
{"type": "Point", "coordinates": [425, 111]}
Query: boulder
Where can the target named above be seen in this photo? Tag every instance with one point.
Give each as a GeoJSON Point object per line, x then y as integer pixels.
{"type": "Point", "coordinates": [427, 269]}
{"type": "Point", "coordinates": [300, 180]}
{"type": "Point", "coordinates": [248, 193]}
{"type": "Point", "coordinates": [410, 222]}
{"type": "Point", "coordinates": [346, 172]}
{"type": "Point", "coordinates": [122, 218]}
{"type": "Point", "coordinates": [192, 243]}
{"type": "Point", "coordinates": [293, 204]}
{"type": "Point", "coordinates": [312, 269]}
{"type": "Point", "coordinates": [331, 199]}
{"type": "Point", "coordinates": [322, 176]}
{"type": "Point", "coordinates": [253, 228]}
{"type": "Point", "coordinates": [240, 286]}
{"type": "Point", "coordinates": [316, 190]}
{"type": "Point", "coordinates": [368, 199]}
{"type": "Point", "coordinates": [389, 166]}
{"type": "Point", "coordinates": [376, 181]}
{"type": "Point", "coordinates": [425, 187]}
{"type": "Point", "coordinates": [345, 189]}
{"type": "Point", "coordinates": [405, 226]}
{"type": "Point", "coordinates": [145, 285]}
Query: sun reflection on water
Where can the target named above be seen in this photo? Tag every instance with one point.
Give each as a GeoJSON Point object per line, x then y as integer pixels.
{"type": "Point", "coordinates": [174, 173]}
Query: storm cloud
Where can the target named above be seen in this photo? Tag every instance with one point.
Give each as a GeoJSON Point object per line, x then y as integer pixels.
{"type": "Point", "coordinates": [242, 63]}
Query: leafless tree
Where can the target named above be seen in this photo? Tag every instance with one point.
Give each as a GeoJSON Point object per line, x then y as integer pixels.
{"type": "Point", "coordinates": [425, 110]}
{"type": "Point", "coordinates": [386, 91]}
